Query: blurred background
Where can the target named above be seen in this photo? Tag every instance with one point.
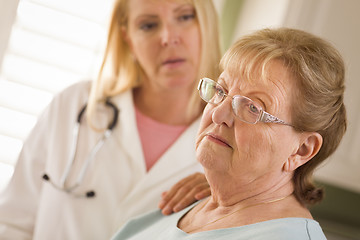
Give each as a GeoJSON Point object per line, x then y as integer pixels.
{"type": "Point", "coordinates": [47, 45]}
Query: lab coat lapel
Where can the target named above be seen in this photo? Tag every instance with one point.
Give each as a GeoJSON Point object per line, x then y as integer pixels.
{"type": "Point", "coordinates": [127, 133]}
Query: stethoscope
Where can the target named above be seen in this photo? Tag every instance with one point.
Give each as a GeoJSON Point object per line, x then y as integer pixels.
{"type": "Point", "coordinates": [90, 157]}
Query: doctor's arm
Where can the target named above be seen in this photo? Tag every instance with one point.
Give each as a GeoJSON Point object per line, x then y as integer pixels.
{"type": "Point", "coordinates": [184, 193]}
{"type": "Point", "coordinates": [19, 200]}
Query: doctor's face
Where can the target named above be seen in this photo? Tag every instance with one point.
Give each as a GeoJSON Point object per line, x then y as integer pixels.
{"type": "Point", "coordinates": [242, 150]}
{"type": "Point", "coordinates": [164, 37]}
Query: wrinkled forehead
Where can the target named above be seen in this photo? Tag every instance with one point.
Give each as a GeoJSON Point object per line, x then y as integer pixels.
{"type": "Point", "coordinates": [249, 63]}
{"type": "Point", "coordinates": [262, 71]}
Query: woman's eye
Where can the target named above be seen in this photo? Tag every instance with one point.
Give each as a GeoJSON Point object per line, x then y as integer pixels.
{"type": "Point", "coordinates": [219, 91]}
{"type": "Point", "coordinates": [148, 26]}
{"type": "Point", "coordinates": [187, 17]}
{"type": "Point", "coordinates": [253, 108]}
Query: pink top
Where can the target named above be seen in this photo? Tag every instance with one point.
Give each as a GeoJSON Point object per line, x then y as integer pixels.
{"type": "Point", "coordinates": [155, 137]}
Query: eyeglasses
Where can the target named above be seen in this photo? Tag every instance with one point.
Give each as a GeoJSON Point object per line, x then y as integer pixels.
{"type": "Point", "coordinates": [244, 108]}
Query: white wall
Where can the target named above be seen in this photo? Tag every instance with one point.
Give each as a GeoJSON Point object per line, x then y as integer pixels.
{"type": "Point", "coordinates": [257, 14]}
{"type": "Point", "coordinates": [7, 13]}
{"type": "Point", "coordinates": [338, 21]}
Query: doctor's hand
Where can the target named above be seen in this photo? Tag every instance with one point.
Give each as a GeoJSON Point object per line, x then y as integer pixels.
{"type": "Point", "coordinates": [184, 193]}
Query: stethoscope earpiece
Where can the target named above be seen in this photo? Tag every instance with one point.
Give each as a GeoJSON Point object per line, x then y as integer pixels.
{"type": "Point", "coordinates": [98, 145]}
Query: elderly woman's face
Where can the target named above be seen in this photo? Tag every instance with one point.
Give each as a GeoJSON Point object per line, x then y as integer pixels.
{"type": "Point", "coordinates": [250, 151]}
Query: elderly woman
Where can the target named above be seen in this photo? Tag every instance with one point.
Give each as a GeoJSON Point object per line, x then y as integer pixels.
{"type": "Point", "coordinates": [275, 113]}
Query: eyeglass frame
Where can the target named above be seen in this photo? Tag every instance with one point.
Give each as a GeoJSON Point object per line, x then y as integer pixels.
{"type": "Point", "coordinates": [263, 115]}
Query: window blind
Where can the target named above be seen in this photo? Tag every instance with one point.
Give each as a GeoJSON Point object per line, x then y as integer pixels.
{"type": "Point", "coordinates": [52, 45]}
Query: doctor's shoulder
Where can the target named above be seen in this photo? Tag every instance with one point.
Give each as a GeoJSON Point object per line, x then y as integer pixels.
{"type": "Point", "coordinates": [79, 90]}
{"type": "Point", "coordinates": [66, 103]}
{"type": "Point", "coordinates": [72, 96]}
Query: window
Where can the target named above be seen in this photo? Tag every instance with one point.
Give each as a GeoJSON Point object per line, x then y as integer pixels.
{"type": "Point", "coordinates": [52, 45]}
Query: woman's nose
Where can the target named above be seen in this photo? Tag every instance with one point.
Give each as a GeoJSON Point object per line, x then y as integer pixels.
{"type": "Point", "coordinates": [169, 36]}
{"type": "Point", "coordinates": [222, 113]}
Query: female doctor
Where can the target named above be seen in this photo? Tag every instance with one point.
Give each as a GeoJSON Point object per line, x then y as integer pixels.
{"type": "Point", "coordinates": [132, 139]}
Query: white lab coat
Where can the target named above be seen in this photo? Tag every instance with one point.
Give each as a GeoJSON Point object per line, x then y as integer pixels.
{"type": "Point", "coordinates": [31, 208]}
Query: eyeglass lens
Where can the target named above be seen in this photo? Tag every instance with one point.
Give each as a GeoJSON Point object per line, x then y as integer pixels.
{"type": "Point", "coordinates": [243, 107]}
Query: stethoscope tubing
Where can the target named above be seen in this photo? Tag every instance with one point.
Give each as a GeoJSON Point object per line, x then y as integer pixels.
{"type": "Point", "coordinates": [89, 158]}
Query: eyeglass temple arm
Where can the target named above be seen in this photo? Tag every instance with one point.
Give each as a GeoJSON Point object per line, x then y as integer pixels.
{"type": "Point", "coordinates": [268, 118]}
{"type": "Point", "coordinates": [199, 84]}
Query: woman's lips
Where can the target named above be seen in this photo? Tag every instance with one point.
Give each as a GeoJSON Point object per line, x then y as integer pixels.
{"type": "Point", "coordinates": [217, 139]}
{"type": "Point", "coordinates": [173, 62]}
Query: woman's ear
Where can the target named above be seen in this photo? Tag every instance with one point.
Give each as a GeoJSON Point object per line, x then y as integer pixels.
{"type": "Point", "coordinates": [309, 146]}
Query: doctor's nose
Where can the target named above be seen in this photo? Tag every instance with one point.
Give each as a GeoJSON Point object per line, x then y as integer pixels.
{"type": "Point", "coordinates": [169, 36]}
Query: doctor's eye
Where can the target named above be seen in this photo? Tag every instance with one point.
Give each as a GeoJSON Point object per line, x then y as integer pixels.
{"type": "Point", "coordinates": [148, 26]}
{"type": "Point", "coordinates": [186, 14]}
{"type": "Point", "coordinates": [187, 17]}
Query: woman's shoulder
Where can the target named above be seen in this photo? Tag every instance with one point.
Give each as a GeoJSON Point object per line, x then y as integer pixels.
{"type": "Point", "coordinates": [276, 229]}
{"type": "Point", "coordinates": [152, 225]}
{"type": "Point", "coordinates": [74, 95]}
{"type": "Point", "coordinates": [67, 102]}
{"type": "Point", "coordinates": [288, 228]}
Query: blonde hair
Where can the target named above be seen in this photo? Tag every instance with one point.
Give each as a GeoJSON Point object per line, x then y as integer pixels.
{"type": "Point", "coordinates": [318, 72]}
{"type": "Point", "coordinates": [119, 72]}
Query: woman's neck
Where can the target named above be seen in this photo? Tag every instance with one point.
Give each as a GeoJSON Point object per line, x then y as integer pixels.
{"type": "Point", "coordinates": [165, 107]}
{"type": "Point", "coordinates": [226, 194]}
{"type": "Point", "coordinates": [242, 207]}
{"type": "Point", "coordinates": [243, 204]}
